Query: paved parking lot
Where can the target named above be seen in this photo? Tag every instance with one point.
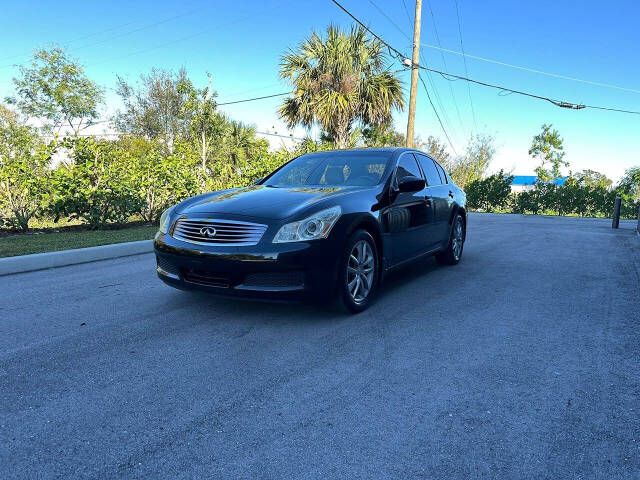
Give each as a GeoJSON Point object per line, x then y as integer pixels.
{"type": "Point", "coordinates": [521, 362]}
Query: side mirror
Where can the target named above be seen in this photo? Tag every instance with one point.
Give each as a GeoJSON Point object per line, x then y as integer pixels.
{"type": "Point", "coordinates": [410, 184]}
{"type": "Point", "coordinates": [257, 181]}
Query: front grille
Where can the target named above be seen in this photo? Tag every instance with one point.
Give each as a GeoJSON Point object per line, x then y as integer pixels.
{"type": "Point", "coordinates": [205, 231]}
{"type": "Point", "coordinates": [203, 277]}
{"type": "Point", "coordinates": [274, 279]}
{"type": "Point", "coordinates": [167, 266]}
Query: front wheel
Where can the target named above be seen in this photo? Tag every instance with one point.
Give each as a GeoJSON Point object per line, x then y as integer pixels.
{"type": "Point", "coordinates": [452, 254]}
{"type": "Point", "coordinates": [358, 275]}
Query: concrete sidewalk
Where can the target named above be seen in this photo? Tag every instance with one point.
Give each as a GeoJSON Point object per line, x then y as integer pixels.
{"type": "Point", "coordinates": [41, 261]}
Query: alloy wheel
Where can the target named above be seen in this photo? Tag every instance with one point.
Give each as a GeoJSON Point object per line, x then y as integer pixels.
{"type": "Point", "coordinates": [458, 239]}
{"type": "Point", "coordinates": [360, 271]}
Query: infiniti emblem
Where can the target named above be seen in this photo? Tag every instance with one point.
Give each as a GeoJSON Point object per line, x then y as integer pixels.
{"type": "Point", "coordinates": [208, 232]}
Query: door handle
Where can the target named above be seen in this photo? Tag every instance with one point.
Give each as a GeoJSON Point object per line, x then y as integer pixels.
{"type": "Point", "coordinates": [450, 193]}
{"type": "Point", "coordinates": [427, 200]}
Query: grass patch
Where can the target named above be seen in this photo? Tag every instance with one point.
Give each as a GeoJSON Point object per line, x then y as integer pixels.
{"type": "Point", "coordinates": [24, 244]}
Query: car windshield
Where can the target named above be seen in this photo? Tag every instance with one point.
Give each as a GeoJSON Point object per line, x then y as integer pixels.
{"type": "Point", "coordinates": [359, 168]}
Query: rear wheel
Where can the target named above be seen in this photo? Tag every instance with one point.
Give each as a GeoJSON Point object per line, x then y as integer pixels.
{"type": "Point", "coordinates": [453, 253]}
{"type": "Point", "coordinates": [358, 276]}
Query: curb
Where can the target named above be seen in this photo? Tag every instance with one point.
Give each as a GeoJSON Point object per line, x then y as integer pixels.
{"type": "Point", "coordinates": [62, 258]}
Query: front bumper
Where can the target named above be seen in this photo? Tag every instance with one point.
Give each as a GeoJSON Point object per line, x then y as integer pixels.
{"type": "Point", "coordinates": [304, 270]}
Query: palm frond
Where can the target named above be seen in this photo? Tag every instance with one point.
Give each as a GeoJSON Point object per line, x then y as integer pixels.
{"type": "Point", "coordinates": [339, 78]}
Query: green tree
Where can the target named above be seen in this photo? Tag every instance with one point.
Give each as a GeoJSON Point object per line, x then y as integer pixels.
{"type": "Point", "coordinates": [238, 151]}
{"type": "Point", "coordinates": [436, 148]}
{"type": "Point", "coordinates": [24, 172]}
{"type": "Point", "coordinates": [629, 190]}
{"type": "Point", "coordinates": [383, 135]}
{"type": "Point", "coordinates": [593, 179]}
{"type": "Point", "coordinates": [630, 183]}
{"type": "Point", "coordinates": [339, 80]}
{"type": "Point", "coordinates": [474, 163]}
{"type": "Point", "coordinates": [206, 125]}
{"type": "Point", "coordinates": [547, 146]}
{"type": "Point", "coordinates": [55, 88]}
{"type": "Point", "coordinates": [157, 107]}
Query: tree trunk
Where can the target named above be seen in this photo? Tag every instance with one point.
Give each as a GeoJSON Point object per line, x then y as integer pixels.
{"type": "Point", "coordinates": [203, 158]}
{"type": "Point", "coordinates": [341, 138]}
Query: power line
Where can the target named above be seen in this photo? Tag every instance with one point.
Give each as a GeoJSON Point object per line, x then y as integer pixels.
{"type": "Point", "coordinates": [382, 12]}
{"type": "Point", "coordinates": [444, 62]}
{"type": "Point", "coordinates": [398, 55]}
{"type": "Point", "coordinates": [253, 99]}
{"type": "Point", "coordinates": [120, 134]}
{"type": "Point", "coordinates": [448, 76]}
{"type": "Point", "coordinates": [217, 105]}
{"type": "Point", "coordinates": [124, 34]}
{"type": "Point", "coordinates": [611, 109]}
{"type": "Point", "coordinates": [447, 121]}
{"type": "Point", "coordinates": [466, 70]}
{"type": "Point", "coordinates": [559, 103]}
{"type": "Point", "coordinates": [437, 116]}
{"type": "Point", "coordinates": [394, 52]}
{"type": "Point", "coordinates": [94, 34]}
{"type": "Point", "coordinates": [254, 90]}
{"type": "Point", "coordinates": [527, 69]}
{"type": "Point", "coordinates": [406, 10]}
{"type": "Point", "coordinates": [188, 37]}
{"type": "Point", "coordinates": [139, 29]}
{"type": "Point", "coordinates": [281, 136]}
{"type": "Point", "coordinates": [446, 118]}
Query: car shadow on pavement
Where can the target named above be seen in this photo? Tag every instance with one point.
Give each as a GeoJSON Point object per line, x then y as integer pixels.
{"type": "Point", "coordinates": [222, 307]}
{"type": "Point", "coordinates": [405, 276]}
{"type": "Point", "coordinates": [228, 308]}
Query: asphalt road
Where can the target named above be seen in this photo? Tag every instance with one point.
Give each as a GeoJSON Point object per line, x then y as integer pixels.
{"type": "Point", "coordinates": [521, 362]}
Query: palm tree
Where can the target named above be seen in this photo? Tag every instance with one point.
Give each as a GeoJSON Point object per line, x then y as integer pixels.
{"type": "Point", "coordinates": [339, 81]}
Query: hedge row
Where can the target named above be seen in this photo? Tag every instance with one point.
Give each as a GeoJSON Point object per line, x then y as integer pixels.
{"type": "Point", "coordinates": [573, 198]}
{"type": "Point", "coordinates": [110, 182]}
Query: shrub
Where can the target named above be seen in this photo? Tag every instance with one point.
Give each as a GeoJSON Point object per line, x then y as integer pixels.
{"type": "Point", "coordinates": [490, 193]}
{"type": "Point", "coordinates": [157, 178]}
{"type": "Point", "coordinates": [24, 172]}
{"type": "Point", "coordinates": [524, 202]}
{"type": "Point", "coordinates": [572, 198]}
{"type": "Point", "coordinates": [94, 188]}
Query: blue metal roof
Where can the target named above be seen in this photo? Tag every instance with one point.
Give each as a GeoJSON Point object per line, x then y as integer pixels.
{"type": "Point", "coordinates": [532, 179]}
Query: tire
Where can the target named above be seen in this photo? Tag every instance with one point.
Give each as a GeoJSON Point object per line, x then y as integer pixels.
{"type": "Point", "coordinates": [453, 253]}
{"type": "Point", "coordinates": [359, 267]}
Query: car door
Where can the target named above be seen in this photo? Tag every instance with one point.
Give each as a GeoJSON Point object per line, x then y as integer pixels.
{"type": "Point", "coordinates": [439, 193]}
{"type": "Point", "coordinates": [446, 192]}
{"type": "Point", "coordinates": [409, 218]}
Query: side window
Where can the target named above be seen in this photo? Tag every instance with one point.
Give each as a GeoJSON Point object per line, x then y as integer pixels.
{"type": "Point", "coordinates": [443, 176]}
{"type": "Point", "coordinates": [407, 166]}
{"type": "Point", "coordinates": [429, 169]}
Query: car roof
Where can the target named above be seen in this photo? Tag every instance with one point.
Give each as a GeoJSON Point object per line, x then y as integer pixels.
{"type": "Point", "coordinates": [372, 149]}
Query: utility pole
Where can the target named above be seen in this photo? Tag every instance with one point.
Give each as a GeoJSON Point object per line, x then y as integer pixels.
{"type": "Point", "coordinates": [415, 60]}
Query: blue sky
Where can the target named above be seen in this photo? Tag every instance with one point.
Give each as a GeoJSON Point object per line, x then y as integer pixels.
{"type": "Point", "coordinates": [240, 43]}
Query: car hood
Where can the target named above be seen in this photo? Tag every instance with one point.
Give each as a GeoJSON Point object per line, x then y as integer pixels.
{"type": "Point", "coordinates": [262, 201]}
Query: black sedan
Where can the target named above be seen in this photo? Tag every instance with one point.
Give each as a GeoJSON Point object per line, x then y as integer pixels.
{"type": "Point", "coordinates": [325, 225]}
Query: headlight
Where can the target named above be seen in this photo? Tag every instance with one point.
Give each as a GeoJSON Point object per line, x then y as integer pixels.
{"type": "Point", "coordinates": [165, 219]}
{"type": "Point", "coordinates": [316, 226]}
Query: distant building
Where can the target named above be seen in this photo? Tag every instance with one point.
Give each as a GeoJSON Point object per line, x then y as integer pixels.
{"type": "Point", "coordinates": [522, 183]}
